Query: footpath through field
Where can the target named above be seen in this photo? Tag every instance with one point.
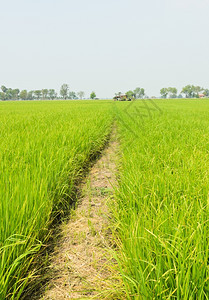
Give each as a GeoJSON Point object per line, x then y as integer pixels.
{"type": "Point", "coordinates": [82, 266]}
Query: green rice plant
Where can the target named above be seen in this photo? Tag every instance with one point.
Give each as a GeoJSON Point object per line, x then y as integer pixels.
{"type": "Point", "coordinates": [43, 148]}
{"type": "Point", "coordinates": [161, 206]}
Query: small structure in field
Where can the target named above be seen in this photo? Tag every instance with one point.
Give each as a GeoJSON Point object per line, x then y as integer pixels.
{"type": "Point", "coordinates": [201, 95]}
{"type": "Point", "coordinates": [122, 97]}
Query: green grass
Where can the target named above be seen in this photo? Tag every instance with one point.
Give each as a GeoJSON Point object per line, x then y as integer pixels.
{"type": "Point", "coordinates": [43, 148]}
{"type": "Point", "coordinates": [162, 202]}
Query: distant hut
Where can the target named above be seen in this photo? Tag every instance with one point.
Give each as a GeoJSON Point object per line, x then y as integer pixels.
{"type": "Point", "coordinates": [201, 95]}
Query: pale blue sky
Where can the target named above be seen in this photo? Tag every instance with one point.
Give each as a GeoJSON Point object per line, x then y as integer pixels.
{"type": "Point", "coordinates": [104, 45]}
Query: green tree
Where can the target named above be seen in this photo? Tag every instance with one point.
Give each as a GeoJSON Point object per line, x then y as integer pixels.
{"type": "Point", "coordinates": [139, 93]}
{"type": "Point", "coordinates": [45, 93]}
{"type": "Point", "coordinates": [52, 94]}
{"type": "Point", "coordinates": [9, 94]}
{"type": "Point", "coordinates": [164, 93]}
{"type": "Point", "coordinates": [142, 93]}
{"type": "Point", "coordinates": [23, 94]}
{"type": "Point", "coordinates": [38, 94]}
{"type": "Point", "coordinates": [2, 96]}
{"type": "Point", "coordinates": [81, 94]}
{"type": "Point", "coordinates": [206, 92]}
{"type": "Point", "coordinates": [172, 92]}
{"type": "Point", "coordinates": [187, 91]}
{"type": "Point", "coordinates": [130, 94]}
{"type": "Point", "coordinates": [191, 91]}
{"type": "Point", "coordinates": [4, 89]}
{"type": "Point", "coordinates": [72, 95]}
{"type": "Point", "coordinates": [197, 91]}
{"type": "Point", "coordinates": [64, 90]}
{"type": "Point", "coordinates": [92, 95]}
{"type": "Point", "coordinates": [15, 94]}
{"type": "Point", "coordinates": [30, 95]}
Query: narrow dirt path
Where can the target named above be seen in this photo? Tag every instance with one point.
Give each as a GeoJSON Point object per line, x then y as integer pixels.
{"type": "Point", "coordinates": [81, 263]}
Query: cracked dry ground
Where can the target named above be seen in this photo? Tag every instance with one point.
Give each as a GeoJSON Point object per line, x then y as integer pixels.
{"type": "Point", "coordinates": [82, 265]}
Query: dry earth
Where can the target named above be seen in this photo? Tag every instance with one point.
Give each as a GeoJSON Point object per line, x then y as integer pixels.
{"type": "Point", "coordinates": [82, 264]}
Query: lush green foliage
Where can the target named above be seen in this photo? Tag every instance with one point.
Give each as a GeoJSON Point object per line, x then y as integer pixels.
{"type": "Point", "coordinates": [43, 147]}
{"type": "Point", "coordinates": [162, 206]}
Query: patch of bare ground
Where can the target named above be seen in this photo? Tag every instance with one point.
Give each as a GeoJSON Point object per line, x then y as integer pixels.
{"type": "Point", "coordinates": [82, 265]}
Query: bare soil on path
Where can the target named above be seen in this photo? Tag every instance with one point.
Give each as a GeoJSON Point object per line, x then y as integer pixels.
{"type": "Point", "coordinates": [82, 265]}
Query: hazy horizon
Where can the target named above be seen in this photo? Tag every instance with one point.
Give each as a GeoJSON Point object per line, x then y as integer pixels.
{"type": "Point", "coordinates": [105, 46]}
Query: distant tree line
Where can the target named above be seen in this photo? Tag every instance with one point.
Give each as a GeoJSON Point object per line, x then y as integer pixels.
{"type": "Point", "coordinates": [43, 94]}
{"type": "Point", "coordinates": [16, 94]}
{"type": "Point", "coordinates": [189, 91]}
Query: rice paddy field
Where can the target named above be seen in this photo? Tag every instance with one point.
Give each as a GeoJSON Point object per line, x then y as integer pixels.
{"type": "Point", "coordinates": [162, 202]}
{"type": "Point", "coordinates": [160, 209]}
{"type": "Point", "coordinates": [43, 148]}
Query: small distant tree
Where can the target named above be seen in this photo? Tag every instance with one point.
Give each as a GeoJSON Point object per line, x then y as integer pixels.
{"type": "Point", "coordinates": [164, 93]}
{"type": "Point", "coordinates": [191, 91]}
{"type": "Point", "coordinates": [130, 94]}
{"type": "Point", "coordinates": [206, 92]}
{"type": "Point", "coordinates": [139, 93]}
{"type": "Point", "coordinates": [30, 95]}
{"type": "Point", "coordinates": [52, 94]}
{"type": "Point", "coordinates": [197, 90]}
{"type": "Point", "coordinates": [4, 89]}
{"type": "Point", "coordinates": [38, 94]}
{"type": "Point", "coordinates": [9, 94]}
{"type": "Point", "coordinates": [15, 94]}
{"type": "Point", "coordinates": [142, 93]}
{"type": "Point", "coordinates": [23, 94]}
{"type": "Point", "coordinates": [2, 96]}
{"type": "Point", "coordinates": [172, 92]}
{"type": "Point", "coordinates": [92, 95]}
{"type": "Point", "coordinates": [64, 91]}
{"type": "Point", "coordinates": [45, 93]}
{"type": "Point", "coordinates": [72, 95]}
{"type": "Point", "coordinates": [81, 94]}
{"type": "Point", "coordinates": [188, 91]}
